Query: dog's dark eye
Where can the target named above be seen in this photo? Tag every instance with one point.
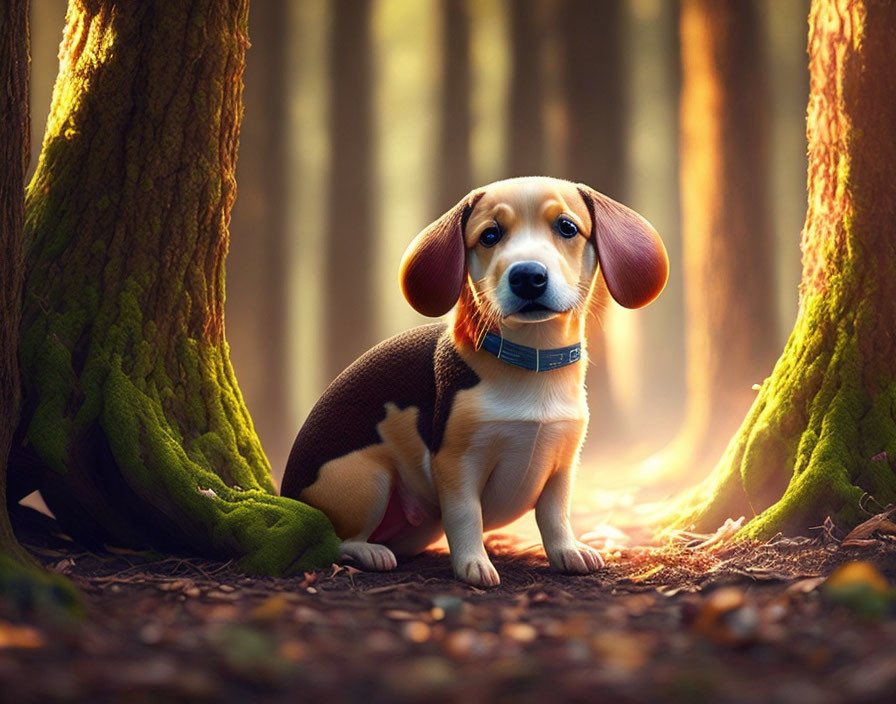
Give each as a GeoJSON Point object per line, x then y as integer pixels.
{"type": "Point", "coordinates": [567, 228]}
{"type": "Point", "coordinates": [490, 237]}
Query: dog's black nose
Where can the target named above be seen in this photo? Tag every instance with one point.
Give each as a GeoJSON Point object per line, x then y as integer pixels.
{"type": "Point", "coordinates": [528, 280]}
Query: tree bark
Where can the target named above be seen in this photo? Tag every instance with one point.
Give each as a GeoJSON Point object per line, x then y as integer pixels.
{"type": "Point", "coordinates": [23, 586]}
{"type": "Point", "coordinates": [131, 413]}
{"type": "Point", "coordinates": [257, 267]}
{"type": "Point", "coordinates": [15, 128]}
{"type": "Point", "coordinates": [728, 266]}
{"type": "Point", "coordinates": [350, 225]}
{"type": "Point", "coordinates": [820, 440]}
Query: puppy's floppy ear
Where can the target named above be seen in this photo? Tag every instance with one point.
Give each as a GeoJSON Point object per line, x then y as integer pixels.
{"type": "Point", "coordinates": [630, 252]}
{"type": "Point", "coordinates": [434, 265]}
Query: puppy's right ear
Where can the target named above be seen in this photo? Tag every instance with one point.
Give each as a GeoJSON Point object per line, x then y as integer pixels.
{"type": "Point", "coordinates": [434, 266]}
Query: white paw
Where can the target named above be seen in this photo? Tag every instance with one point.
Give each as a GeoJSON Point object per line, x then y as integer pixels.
{"type": "Point", "coordinates": [478, 571]}
{"type": "Point", "coordinates": [369, 556]}
{"type": "Point", "coordinates": [578, 559]}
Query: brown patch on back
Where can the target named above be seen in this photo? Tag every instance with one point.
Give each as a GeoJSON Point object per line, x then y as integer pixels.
{"type": "Point", "coordinates": [418, 368]}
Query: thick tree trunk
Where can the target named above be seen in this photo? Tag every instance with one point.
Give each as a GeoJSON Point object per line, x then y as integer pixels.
{"type": "Point", "coordinates": [594, 74]}
{"type": "Point", "coordinates": [822, 432]}
{"type": "Point", "coordinates": [257, 265]}
{"type": "Point", "coordinates": [14, 150]}
{"type": "Point", "coordinates": [728, 268]}
{"type": "Point", "coordinates": [454, 170]}
{"type": "Point", "coordinates": [350, 223]}
{"type": "Point", "coordinates": [131, 408]}
{"type": "Point", "coordinates": [23, 587]}
{"type": "Point", "coordinates": [526, 145]}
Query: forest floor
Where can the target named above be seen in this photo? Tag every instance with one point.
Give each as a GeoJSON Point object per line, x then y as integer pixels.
{"type": "Point", "coordinates": [690, 622]}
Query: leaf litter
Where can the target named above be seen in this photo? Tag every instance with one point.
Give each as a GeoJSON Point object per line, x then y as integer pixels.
{"type": "Point", "coordinates": [793, 619]}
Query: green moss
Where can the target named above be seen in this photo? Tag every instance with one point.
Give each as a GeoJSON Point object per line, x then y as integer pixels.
{"type": "Point", "coordinates": [49, 428]}
{"type": "Point", "coordinates": [272, 534]}
{"type": "Point", "coordinates": [29, 591]}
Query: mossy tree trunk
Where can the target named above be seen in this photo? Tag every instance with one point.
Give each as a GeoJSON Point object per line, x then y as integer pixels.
{"type": "Point", "coordinates": [594, 77]}
{"type": "Point", "coordinates": [350, 259]}
{"type": "Point", "coordinates": [822, 432]}
{"type": "Point", "coordinates": [728, 266]}
{"type": "Point", "coordinates": [14, 148]}
{"type": "Point", "coordinates": [24, 589]}
{"type": "Point", "coordinates": [132, 417]}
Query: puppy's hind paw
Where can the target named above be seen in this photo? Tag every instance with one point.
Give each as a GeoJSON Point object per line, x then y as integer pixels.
{"type": "Point", "coordinates": [478, 571]}
{"type": "Point", "coordinates": [579, 559]}
{"type": "Point", "coordinates": [369, 556]}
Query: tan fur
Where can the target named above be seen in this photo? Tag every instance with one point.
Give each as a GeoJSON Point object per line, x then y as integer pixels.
{"type": "Point", "coordinates": [406, 449]}
{"type": "Point", "coordinates": [354, 513]}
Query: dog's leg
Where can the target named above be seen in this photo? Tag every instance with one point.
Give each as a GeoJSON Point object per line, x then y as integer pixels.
{"type": "Point", "coordinates": [462, 521]}
{"type": "Point", "coordinates": [564, 552]}
{"type": "Point", "coordinates": [372, 557]}
{"type": "Point", "coordinates": [354, 492]}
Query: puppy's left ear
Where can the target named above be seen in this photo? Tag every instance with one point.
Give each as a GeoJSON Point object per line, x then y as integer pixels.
{"type": "Point", "coordinates": [630, 252]}
{"type": "Point", "coordinates": [434, 265]}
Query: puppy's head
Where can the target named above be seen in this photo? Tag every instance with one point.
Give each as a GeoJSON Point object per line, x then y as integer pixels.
{"type": "Point", "coordinates": [527, 250]}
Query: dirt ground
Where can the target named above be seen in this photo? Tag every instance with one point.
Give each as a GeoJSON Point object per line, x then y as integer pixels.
{"type": "Point", "coordinates": [682, 623]}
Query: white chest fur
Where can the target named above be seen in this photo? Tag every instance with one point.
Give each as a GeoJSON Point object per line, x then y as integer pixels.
{"type": "Point", "coordinates": [530, 426]}
{"type": "Point", "coordinates": [512, 460]}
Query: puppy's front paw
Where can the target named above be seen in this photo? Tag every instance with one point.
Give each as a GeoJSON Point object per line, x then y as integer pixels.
{"type": "Point", "coordinates": [369, 556]}
{"type": "Point", "coordinates": [579, 559]}
{"type": "Point", "coordinates": [478, 571]}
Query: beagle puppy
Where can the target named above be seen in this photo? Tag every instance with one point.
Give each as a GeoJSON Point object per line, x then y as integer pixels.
{"type": "Point", "coordinates": [464, 427]}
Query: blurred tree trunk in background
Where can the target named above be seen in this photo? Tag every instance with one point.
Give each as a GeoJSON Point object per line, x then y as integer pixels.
{"type": "Point", "coordinates": [256, 271]}
{"type": "Point", "coordinates": [350, 257]}
{"type": "Point", "coordinates": [593, 75]}
{"type": "Point", "coordinates": [131, 415]}
{"type": "Point", "coordinates": [47, 23]}
{"type": "Point", "coordinates": [526, 142]}
{"type": "Point", "coordinates": [652, 37]}
{"type": "Point", "coordinates": [785, 27]}
{"type": "Point", "coordinates": [728, 264]}
{"type": "Point", "coordinates": [14, 148]}
{"type": "Point", "coordinates": [453, 167]}
{"type": "Point", "coordinates": [820, 440]}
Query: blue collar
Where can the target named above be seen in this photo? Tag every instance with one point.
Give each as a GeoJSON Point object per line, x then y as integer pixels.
{"type": "Point", "coordinates": [531, 358]}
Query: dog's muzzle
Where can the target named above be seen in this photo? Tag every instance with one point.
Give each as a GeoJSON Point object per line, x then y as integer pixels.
{"type": "Point", "coordinates": [528, 280]}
